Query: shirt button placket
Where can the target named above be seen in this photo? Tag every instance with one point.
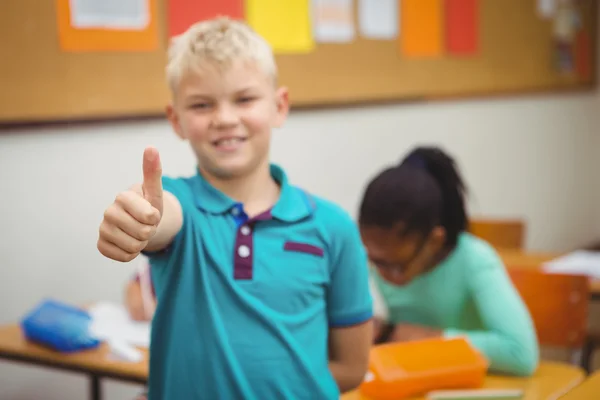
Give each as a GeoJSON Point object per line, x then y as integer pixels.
{"type": "Point", "coordinates": [243, 265]}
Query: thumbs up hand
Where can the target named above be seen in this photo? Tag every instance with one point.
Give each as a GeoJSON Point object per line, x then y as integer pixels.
{"type": "Point", "coordinates": [132, 219]}
{"type": "Point", "coordinates": [152, 186]}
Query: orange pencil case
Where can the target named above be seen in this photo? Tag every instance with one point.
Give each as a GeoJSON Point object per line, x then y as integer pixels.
{"type": "Point", "coordinates": [400, 370]}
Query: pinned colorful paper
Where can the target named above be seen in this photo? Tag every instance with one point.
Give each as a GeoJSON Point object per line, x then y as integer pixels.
{"type": "Point", "coordinates": [94, 25]}
{"type": "Point", "coordinates": [333, 21]}
{"type": "Point", "coordinates": [546, 8]}
{"type": "Point", "coordinates": [462, 28]}
{"type": "Point", "coordinates": [422, 28]}
{"type": "Point", "coordinates": [583, 59]}
{"type": "Point", "coordinates": [378, 19]}
{"type": "Point", "coordinates": [183, 13]}
{"type": "Point", "coordinates": [284, 24]}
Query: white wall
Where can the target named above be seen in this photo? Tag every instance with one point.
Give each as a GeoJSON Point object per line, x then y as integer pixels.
{"type": "Point", "coordinates": [529, 157]}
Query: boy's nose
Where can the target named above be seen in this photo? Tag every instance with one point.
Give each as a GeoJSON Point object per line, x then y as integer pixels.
{"type": "Point", "coordinates": [225, 116]}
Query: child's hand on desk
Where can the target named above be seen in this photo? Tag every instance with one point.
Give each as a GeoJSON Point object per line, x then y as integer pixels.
{"type": "Point", "coordinates": [408, 332]}
{"type": "Point", "coordinates": [134, 302]}
{"type": "Point", "coordinates": [131, 221]}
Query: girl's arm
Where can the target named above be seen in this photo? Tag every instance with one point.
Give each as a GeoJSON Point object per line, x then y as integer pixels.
{"type": "Point", "coordinates": [509, 341]}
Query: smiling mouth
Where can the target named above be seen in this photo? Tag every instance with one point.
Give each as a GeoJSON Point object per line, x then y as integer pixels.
{"type": "Point", "coordinates": [229, 144]}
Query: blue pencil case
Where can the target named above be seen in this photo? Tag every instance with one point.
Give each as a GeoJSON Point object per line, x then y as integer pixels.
{"type": "Point", "coordinates": [59, 326]}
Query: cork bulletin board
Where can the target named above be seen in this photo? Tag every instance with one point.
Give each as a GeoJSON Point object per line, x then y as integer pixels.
{"type": "Point", "coordinates": [40, 81]}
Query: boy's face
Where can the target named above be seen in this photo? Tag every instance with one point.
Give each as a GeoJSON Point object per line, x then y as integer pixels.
{"type": "Point", "coordinates": [227, 116]}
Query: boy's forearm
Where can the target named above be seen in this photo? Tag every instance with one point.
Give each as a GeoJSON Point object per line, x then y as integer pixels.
{"type": "Point", "coordinates": [347, 377]}
{"type": "Point", "coordinates": [349, 349]}
{"type": "Point", "coordinates": [170, 224]}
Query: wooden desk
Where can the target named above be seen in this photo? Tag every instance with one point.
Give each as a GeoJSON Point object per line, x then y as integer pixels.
{"type": "Point", "coordinates": [96, 365]}
{"type": "Point", "coordinates": [550, 382]}
{"type": "Point", "coordinates": [516, 258]}
{"type": "Point", "coordinates": [550, 379]}
{"type": "Point", "coordinates": [93, 363]}
{"type": "Point", "coordinates": [588, 390]}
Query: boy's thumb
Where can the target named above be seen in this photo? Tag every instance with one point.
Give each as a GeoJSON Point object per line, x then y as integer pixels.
{"type": "Point", "coordinates": [152, 185]}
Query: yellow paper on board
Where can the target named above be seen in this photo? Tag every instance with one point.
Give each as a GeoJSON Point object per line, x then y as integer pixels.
{"type": "Point", "coordinates": [284, 24]}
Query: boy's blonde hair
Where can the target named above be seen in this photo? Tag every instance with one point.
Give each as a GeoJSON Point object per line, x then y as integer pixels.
{"type": "Point", "coordinates": [220, 42]}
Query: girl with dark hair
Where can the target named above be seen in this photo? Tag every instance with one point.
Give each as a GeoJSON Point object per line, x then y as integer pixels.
{"type": "Point", "coordinates": [430, 277]}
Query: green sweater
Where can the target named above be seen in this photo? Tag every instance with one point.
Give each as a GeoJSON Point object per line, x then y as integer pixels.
{"type": "Point", "coordinates": [469, 294]}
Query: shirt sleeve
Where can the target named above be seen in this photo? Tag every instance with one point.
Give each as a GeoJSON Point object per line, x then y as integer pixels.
{"type": "Point", "coordinates": [509, 341]}
{"type": "Point", "coordinates": [348, 298]}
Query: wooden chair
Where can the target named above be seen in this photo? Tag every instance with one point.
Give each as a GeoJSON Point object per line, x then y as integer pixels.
{"type": "Point", "coordinates": [500, 233]}
{"type": "Point", "coordinates": [558, 304]}
{"type": "Point", "coordinates": [590, 347]}
{"type": "Point", "coordinates": [593, 342]}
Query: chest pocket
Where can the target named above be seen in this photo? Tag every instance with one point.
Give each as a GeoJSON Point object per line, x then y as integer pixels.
{"type": "Point", "coordinates": [306, 248]}
{"type": "Point", "coordinates": [295, 276]}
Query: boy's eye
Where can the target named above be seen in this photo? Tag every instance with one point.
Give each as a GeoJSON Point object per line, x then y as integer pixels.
{"type": "Point", "coordinates": [245, 99]}
{"type": "Point", "coordinates": [200, 105]}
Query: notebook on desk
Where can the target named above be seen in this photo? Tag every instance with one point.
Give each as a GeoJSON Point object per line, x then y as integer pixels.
{"type": "Point", "coordinates": [477, 394]}
{"type": "Point", "coordinates": [111, 323]}
{"type": "Point", "coordinates": [579, 262]}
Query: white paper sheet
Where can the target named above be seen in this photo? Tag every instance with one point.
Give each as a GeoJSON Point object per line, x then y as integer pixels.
{"type": "Point", "coordinates": [111, 322]}
{"type": "Point", "coordinates": [333, 21]}
{"type": "Point", "coordinates": [379, 19]}
{"type": "Point", "coordinates": [110, 14]}
{"type": "Point", "coordinates": [580, 262]}
{"type": "Point", "coordinates": [546, 8]}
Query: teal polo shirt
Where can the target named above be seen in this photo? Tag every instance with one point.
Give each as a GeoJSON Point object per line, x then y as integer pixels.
{"type": "Point", "coordinates": [245, 304]}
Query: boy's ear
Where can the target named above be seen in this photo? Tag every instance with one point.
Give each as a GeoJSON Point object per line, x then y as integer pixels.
{"type": "Point", "coordinates": [173, 118]}
{"type": "Point", "coordinates": [283, 106]}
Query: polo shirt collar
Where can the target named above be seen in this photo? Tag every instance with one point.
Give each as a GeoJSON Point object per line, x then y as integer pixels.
{"type": "Point", "coordinates": [209, 198]}
{"type": "Point", "coordinates": [293, 205]}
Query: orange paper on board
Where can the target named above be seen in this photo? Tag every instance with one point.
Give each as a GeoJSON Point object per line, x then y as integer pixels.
{"type": "Point", "coordinates": [74, 39]}
{"type": "Point", "coordinates": [422, 28]}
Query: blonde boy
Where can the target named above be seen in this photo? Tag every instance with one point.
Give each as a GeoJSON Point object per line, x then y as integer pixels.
{"type": "Point", "coordinates": [262, 288]}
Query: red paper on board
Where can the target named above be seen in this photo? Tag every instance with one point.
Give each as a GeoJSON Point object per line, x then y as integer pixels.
{"type": "Point", "coordinates": [462, 26]}
{"type": "Point", "coordinates": [183, 13]}
{"type": "Point", "coordinates": [583, 59]}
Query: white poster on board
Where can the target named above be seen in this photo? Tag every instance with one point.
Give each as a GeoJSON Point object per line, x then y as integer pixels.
{"type": "Point", "coordinates": [110, 14]}
{"type": "Point", "coordinates": [379, 19]}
